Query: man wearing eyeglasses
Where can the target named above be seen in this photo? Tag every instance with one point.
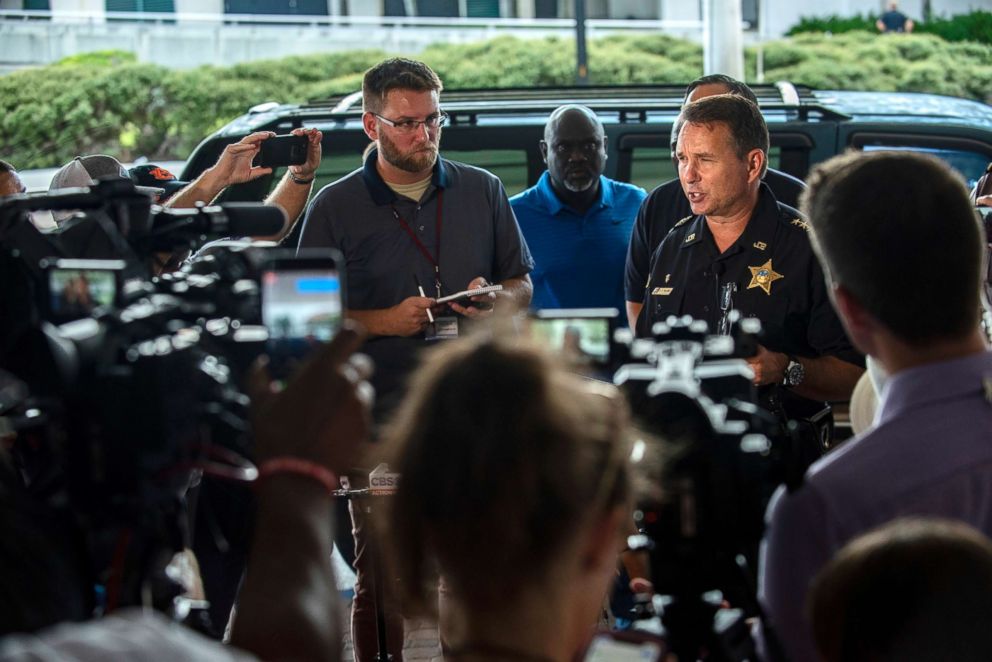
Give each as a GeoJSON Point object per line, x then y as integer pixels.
{"type": "Point", "coordinates": [413, 227]}
{"type": "Point", "coordinates": [576, 221]}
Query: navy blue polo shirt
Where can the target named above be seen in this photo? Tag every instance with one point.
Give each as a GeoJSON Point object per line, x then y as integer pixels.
{"type": "Point", "coordinates": [578, 258]}
{"type": "Point", "coordinates": [479, 237]}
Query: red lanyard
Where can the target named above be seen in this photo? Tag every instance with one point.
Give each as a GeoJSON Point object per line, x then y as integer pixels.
{"type": "Point", "coordinates": [435, 260]}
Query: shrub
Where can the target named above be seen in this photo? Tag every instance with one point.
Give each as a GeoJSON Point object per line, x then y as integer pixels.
{"type": "Point", "coordinates": [834, 24]}
{"type": "Point", "coordinates": [975, 26]}
{"type": "Point", "coordinates": [107, 102]}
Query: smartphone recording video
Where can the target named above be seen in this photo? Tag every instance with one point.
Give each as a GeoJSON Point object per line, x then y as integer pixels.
{"type": "Point", "coordinates": [282, 151]}
{"type": "Point", "coordinates": [76, 288]}
{"type": "Point", "coordinates": [302, 306]}
{"type": "Point", "coordinates": [582, 337]}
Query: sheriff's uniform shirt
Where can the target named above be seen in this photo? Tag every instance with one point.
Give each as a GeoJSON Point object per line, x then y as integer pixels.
{"type": "Point", "coordinates": [770, 273]}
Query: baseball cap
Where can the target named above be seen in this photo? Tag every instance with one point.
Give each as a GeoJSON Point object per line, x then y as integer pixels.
{"type": "Point", "coordinates": [85, 170]}
{"type": "Point", "coordinates": [152, 175]}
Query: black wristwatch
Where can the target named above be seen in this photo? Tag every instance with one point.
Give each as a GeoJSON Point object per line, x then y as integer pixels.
{"type": "Point", "coordinates": [794, 373]}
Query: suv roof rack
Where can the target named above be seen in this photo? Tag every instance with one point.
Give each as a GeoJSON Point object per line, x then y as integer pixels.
{"type": "Point", "coordinates": [632, 102]}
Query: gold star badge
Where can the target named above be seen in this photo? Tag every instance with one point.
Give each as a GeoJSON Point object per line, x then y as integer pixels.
{"type": "Point", "coordinates": [763, 277]}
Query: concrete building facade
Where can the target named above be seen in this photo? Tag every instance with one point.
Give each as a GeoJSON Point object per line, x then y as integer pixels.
{"type": "Point", "coordinates": [188, 33]}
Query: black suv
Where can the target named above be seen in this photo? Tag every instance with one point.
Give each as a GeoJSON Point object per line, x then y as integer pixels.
{"type": "Point", "coordinates": [499, 130]}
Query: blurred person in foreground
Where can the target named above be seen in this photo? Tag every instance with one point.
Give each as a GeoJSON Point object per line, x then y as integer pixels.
{"type": "Point", "coordinates": [902, 250]}
{"type": "Point", "coordinates": [515, 491]}
{"type": "Point", "coordinates": [289, 608]}
{"type": "Point", "coordinates": [915, 590]}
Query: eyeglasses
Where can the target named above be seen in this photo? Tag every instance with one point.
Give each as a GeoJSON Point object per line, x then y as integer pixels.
{"type": "Point", "coordinates": [432, 122]}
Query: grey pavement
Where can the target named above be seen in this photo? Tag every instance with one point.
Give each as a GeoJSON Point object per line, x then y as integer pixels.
{"type": "Point", "coordinates": [420, 644]}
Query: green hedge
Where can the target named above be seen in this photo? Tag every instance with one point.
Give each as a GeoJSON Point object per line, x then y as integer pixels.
{"type": "Point", "coordinates": [107, 102]}
{"type": "Point", "coordinates": [975, 26]}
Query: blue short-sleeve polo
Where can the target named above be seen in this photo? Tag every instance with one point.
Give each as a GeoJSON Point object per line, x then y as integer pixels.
{"type": "Point", "coordinates": [578, 258]}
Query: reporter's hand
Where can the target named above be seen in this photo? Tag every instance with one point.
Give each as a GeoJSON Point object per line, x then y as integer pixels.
{"type": "Point", "coordinates": [308, 169]}
{"type": "Point", "coordinates": [323, 413]}
{"type": "Point", "coordinates": [234, 165]}
{"type": "Point", "coordinates": [408, 317]}
{"type": "Point", "coordinates": [487, 301]}
{"type": "Point", "coordinates": [768, 367]}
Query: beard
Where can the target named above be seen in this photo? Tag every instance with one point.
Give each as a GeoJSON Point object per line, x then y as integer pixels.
{"type": "Point", "coordinates": [579, 182]}
{"type": "Point", "coordinates": [417, 161]}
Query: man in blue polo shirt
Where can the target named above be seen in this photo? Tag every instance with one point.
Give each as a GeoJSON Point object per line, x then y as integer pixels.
{"type": "Point", "coordinates": [577, 222]}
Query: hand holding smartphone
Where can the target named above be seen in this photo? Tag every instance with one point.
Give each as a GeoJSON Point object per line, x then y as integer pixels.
{"type": "Point", "coordinates": [284, 150]}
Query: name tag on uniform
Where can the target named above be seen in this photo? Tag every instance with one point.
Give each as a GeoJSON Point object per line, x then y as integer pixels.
{"type": "Point", "coordinates": [443, 328]}
{"type": "Point", "coordinates": [662, 291]}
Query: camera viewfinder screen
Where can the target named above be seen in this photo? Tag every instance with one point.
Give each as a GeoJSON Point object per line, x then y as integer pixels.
{"type": "Point", "coordinates": [579, 340]}
{"type": "Point", "coordinates": [75, 293]}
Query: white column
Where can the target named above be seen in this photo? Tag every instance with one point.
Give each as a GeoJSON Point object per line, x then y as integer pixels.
{"type": "Point", "coordinates": [199, 6]}
{"type": "Point", "coordinates": [365, 7]}
{"type": "Point", "coordinates": [723, 39]}
{"type": "Point", "coordinates": [94, 8]}
{"type": "Point", "coordinates": [526, 9]}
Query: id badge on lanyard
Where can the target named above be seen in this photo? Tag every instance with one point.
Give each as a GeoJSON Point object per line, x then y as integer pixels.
{"type": "Point", "coordinates": [442, 328]}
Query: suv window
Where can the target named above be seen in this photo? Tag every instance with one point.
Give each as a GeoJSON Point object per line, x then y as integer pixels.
{"type": "Point", "coordinates": [510, 165]}
{"type": "Point", "coordinates": [500, 130]}
{"type": "Point", "coordinates": [970, 164]}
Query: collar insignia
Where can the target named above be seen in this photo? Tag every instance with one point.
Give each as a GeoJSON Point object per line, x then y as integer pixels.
{"type": "Point", "coordinates": [690, 237]}
{"type": "Point", "coordinates": [760, 245]}
{"type": "Point", "coordinates": [763, 277]}
{"type": "Point", "coordinates": [668, 277]}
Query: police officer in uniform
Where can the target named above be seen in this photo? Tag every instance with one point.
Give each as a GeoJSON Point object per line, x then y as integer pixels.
{"type": "Point", "coordinates": [666, 204]}
{"type": "Point", "coordinates": [742, 250]}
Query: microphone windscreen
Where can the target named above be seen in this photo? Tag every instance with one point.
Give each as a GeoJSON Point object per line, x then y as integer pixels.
{"type": "Point", "coordinates": [251, 219]}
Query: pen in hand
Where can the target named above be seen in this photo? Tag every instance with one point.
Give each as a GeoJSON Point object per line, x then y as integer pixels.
{"type": "Point", "coordinates": [420, 288]}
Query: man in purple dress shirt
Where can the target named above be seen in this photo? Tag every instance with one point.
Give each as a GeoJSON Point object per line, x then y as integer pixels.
{"type": "Point", "coordinates": [902, 250]}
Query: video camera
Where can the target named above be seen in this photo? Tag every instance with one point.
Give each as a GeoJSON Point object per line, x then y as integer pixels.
{"type": "Point", "coordinates": [719, 456]}
{"type": "Point", "coordinates": [123, 388]}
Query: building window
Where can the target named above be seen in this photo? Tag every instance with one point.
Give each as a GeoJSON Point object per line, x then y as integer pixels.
{"type": "Point", "coordinates": [158, 6]}
{"type": "Point", "coordinates": [482, 8]}
{"type": "Point", "coordinates": [277, 7]}
{"type": "Point", "coordinates": [437, 7]}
